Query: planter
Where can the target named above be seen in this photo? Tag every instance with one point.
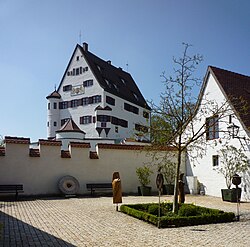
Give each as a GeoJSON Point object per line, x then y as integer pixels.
{"type": "Point", "coordinates": [168, 189]}
{"type": "Point", "coordinates": [230, 195]}
{"type": "Point", "coordinates": [144, 190]}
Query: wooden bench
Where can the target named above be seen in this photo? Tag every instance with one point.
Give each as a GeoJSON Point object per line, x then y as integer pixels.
{"type": "Point", "coordinates": [11, 188]}
{"type": "Point", "coordinates": [98, 186]}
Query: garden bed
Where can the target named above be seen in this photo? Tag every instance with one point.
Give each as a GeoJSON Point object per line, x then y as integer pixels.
{"type": "Point", "coordinates": [188, 214]}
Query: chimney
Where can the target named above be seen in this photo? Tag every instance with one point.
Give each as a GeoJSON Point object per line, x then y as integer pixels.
{"type": "Point", "coordinates": [109, 62]}
{"type": "Point", "coordinates": [120, 68]}
{"type": "Point", "coordinates": [85, 46]}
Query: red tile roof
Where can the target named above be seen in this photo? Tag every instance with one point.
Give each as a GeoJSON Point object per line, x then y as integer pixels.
{"type": "Point", "coordinates": [16, 140]}
{"type": "Point", "coordinates": [54, 94]}
{"type": "Point", "coordinates": [70, 126]}
{"type": "Point", "coordinates": [237, 89]}
{"type": "Point", "coordinates": [133, 147]}
{"type": "Point", "coordinates": [79, 145]}
{"type": "Point", "coordinates": [49, 142]}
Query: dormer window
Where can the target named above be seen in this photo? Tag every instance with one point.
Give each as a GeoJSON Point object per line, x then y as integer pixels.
{"type": "Point", "coordinates": [115, 86]}
{"type": "Point", "coordinates": [135, 95]}
{"type": "Point", "coordinates": [108, 83]}
{"type": "Point", "coordinates": [123, 81]}
{"type": "Point", "coordinates": [99, 68]}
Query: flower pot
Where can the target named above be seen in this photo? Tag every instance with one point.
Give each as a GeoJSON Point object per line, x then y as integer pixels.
{"type": "Point", "coordinates": [168, 189]}
{"type": "Point", "coordinates": [230, 195]}
{"type": "Point", "coordinates": [144, 190]}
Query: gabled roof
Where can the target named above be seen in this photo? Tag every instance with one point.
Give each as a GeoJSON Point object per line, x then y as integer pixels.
{"type": "Point", "coordinates": [70, 126]}
{"type": "Point", "coordinates": [236, 88]}
{"type": "Point", "coordinates": [112, 79]}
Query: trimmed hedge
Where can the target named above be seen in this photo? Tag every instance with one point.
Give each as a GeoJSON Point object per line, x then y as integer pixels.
{"type": "Point", "coordinates": [188, 215]}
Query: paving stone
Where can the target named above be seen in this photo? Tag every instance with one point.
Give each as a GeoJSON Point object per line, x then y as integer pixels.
{"type": "Point", "coordinates": [95, 222]}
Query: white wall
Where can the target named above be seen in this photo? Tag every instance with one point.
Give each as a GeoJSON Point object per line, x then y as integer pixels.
{"type": "Point", "coordinates": [202, 167]}
{"type": "Point", "coordinates": [40, 175]}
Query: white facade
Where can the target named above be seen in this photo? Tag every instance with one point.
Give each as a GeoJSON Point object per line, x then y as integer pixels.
{"type": "Point", "coordinates": [84, 98]}
{"type": "Point", "coordinates": [202, 167]}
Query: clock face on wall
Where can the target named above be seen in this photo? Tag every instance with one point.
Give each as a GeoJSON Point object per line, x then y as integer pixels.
{"type": "Point", "coordinates": [76, 90]}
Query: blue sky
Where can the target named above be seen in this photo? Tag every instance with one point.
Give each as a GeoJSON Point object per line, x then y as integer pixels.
{"type": "Point", "coordinates": [38, 37]}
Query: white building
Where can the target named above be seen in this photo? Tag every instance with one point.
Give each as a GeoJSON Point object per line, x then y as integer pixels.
{"type": "Point", "coordinates": [101, 99]}
{"type": "Point", "coordinates": [231, 91]}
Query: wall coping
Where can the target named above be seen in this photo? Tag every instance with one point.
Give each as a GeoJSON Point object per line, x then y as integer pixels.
{"type": "Point", "coordinates": [16, 140]}
{"type": "Point", "coordinates": [49, 142]}
{"type": "Point", "coordinates": [80, 144]}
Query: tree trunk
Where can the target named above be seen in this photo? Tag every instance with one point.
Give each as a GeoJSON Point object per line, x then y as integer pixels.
{"type": "Point", "coordinates": [176, 187]}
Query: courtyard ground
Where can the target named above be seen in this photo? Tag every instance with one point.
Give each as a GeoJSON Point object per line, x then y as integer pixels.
{"type": "Point", "coordinates": [95, 222]}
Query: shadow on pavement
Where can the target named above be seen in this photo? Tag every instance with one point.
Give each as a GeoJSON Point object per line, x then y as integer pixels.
{"type": "Point", "coordinates": [14, 232]}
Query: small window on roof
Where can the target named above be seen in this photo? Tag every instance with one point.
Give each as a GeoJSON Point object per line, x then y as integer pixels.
{"type": "Point", "coordinates": [99, 68]}
{"type": "Point", "coordinates": [108, 83]}
{"type": "Point", "coordinates": [123, 81]}
{"type": "Point", "coordinates": [136, 96]}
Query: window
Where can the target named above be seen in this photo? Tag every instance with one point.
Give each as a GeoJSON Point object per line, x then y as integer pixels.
{"type": "Point", "coordinates": [88, 83]}
{"type": "Point", "coordinates": [55, 124]}
{"type": "Point", "coordinates": [131, 108]}
{"type": "Point", "coordinates": [108, 83]}
{"type": "Point", "coordinates": [110, 100]}
{"type": "Point", "coordinates": [77, 71]}
{"type": "Point", "coordinates": [116, 129]}
{"type": "Point", "coordinates": [48, 106]}
{"type": "Point", "coordinates": [47, 124]}
{"type": "Point", "coordinates": [68, 73]}
{"type": "Point", "coordinates": [123, 81]}
{"type": "Point", "coordinates": [85, 101]}
{"type": "Point", "coordinates": [96, 99]}
{"type": "Point", "coordinates": [145, 114]}
{"type": "Point", "coordinates": [212, 128]}
{"type": "Point", "coordinates": [74, 71]}
{"type": "Point", "coordinates": [55, 105]}
{"type": "Point", "coordinates": [136, 96]}
{"type": "Point", "coordinates": [215, 159]}
{"type": "Point", "coordinates": [67, 88]}
{"type": "Point", "coordinates": [63, 105]}
{"type": "Point", "coordinates": [141, 128]}
{"type": "Point", "coordinates": [63, 121]}
{"type": "Point", "coordinates": [77, 58]}
{"type": "Point", "coordinates": [74, 103]}
{"type": "Point", "coordinates": [85, 119]}
{"type": "Point", "coordinates": [103, 118]}
{"type": "Point", "coordinates": [123, 123]}
{"type": "Point", "coordinates": [103, 125]}
{"type": "Point", "coordinates": [116, 121]}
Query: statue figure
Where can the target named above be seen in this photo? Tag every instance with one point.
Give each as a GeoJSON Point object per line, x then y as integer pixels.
{"type": "Point", "coordinates": [117, 189]}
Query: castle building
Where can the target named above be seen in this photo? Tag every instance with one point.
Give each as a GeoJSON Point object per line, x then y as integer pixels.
{"type": "Point", "coordinates": [101, 99]}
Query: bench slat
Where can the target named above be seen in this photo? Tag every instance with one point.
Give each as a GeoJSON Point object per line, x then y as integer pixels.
{"type": "Point", "coordinates": [94, 186]}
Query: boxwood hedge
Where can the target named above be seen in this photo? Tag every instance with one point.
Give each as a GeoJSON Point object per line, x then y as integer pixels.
{"type": "Point", "coordinates": [188, 214]}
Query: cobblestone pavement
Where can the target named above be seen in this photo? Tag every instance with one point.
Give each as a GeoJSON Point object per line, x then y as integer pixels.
{"type": "Point", "coordinates": [95, 222]}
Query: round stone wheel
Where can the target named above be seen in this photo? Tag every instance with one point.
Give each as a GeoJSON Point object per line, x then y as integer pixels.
{"type": "Point", "coordinates": [68, 185]}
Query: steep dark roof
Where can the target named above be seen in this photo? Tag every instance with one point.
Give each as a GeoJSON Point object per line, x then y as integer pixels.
{"type": "Point", "coordinates": [112, 79]}
{"type": "Point", "coordinates": [70, 126]}
{"type": "Point", "coordinates": [237, 89]}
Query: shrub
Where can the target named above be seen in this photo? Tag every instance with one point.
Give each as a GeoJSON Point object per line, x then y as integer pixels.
{"type": "Point", "coordinates": [202, 215]}
{"type": "Point", "coordinates": [188, 210]}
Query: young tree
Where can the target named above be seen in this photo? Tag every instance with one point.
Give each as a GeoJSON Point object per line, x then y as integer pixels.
{"type": "Point", "coordinates": [178, 106]}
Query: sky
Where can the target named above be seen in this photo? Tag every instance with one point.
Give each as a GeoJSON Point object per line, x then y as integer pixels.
{"type": "Point", "coordinates": [37, 39]}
